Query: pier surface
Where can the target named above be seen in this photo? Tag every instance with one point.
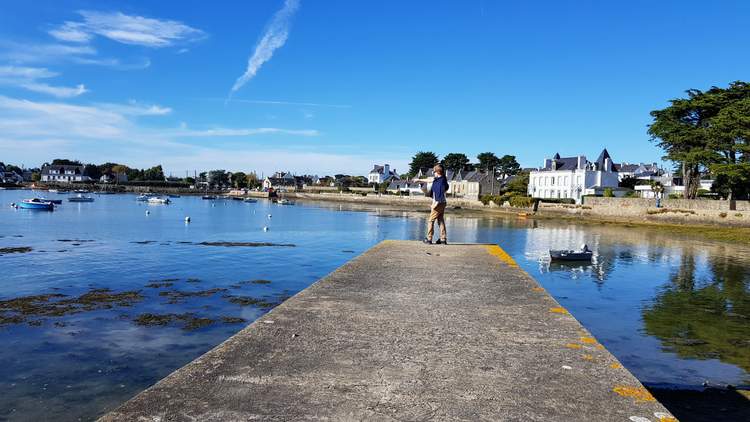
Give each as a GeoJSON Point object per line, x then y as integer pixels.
{"type": "Point", "coordinates": [407, 332]}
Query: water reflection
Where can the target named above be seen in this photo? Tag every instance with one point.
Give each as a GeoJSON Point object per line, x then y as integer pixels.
{"type": "Point", "coordinates": [704, 314]}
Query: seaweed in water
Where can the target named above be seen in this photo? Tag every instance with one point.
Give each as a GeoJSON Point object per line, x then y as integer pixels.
{"type": "Point", "coordinates": [177, 296]}
{"type": "Point", "coordinates": [188, 320]}
{"type": "Point", "coordinates": [247, 244]}
{"type": "Point", "coordinates": [257, 281]}
{"type": "Point", "coordinates": [143, 242]}
{"type": "Point", "coordinates": [159, 284]}
{"type": "Point", "coordinates": [75, 240]}
{"type": "Point", "coordinates": [28, 308]}
{"type": "Point", "coordinates": [17, 249]}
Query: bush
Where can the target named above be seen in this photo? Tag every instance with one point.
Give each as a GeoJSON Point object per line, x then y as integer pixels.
{"type": "Point", "coordinates": [609, 193]}
{"type": "Point", "coordinates": [521, 201]}
{"type": "Point", "coordinates": [629, 194]}
{"type": "Point", "coordinates": [675, 196]}
{"type": "Point", "coordinates": [558, 200]}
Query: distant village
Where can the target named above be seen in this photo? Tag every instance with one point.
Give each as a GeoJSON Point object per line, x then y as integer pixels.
{"type": "Point", "coordinates": [492, 178]}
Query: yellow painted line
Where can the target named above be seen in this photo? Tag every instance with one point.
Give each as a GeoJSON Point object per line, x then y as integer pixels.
{"type": "Point", "coordinates": [573, 346]}
{"type": "Point", "coordinates": [615, 366]}
{"type": "Point", "coordinates": [639, 394]}
{"type": "Point", "coordinates": [500, 254]}
{"type": "Point", "coordinates": [588, 357]}
{"type": "Point", "coordinates": [559, 310]}
{"type": "Point", "coordinates": [588, 340]}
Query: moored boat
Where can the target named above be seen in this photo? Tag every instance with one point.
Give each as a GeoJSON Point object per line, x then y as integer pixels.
{"type": "Point", "coordinates": [36, 204]}
{"type": "Point", "coordinates": [250, 200]}
{"type": "Point", "coordinates": [209, 197]}
{"type": "Point", "coordinates": [284, 201]}
{"type": "Point", "coordinates": [158, 200]}
{"type": "Point", "coordinates": [54, 201]}
{"type": "Point", "coordinates": [81, 198]}
{"type": "Point", "coordinates": [584, 254]}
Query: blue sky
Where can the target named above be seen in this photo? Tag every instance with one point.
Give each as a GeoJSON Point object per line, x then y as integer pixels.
{"type": "Point", "coordinates": [339, 85]}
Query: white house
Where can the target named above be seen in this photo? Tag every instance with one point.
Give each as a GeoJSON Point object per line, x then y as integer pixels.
{"type": "Point", "coordinates": [380, 174]}
{"type": "Point", "coordinates": [281, 180]}
{"type": "Point", "coordinates": [573, 177]}
{"type": "Point", "coordinates": [63, 173]}
{"type": "Point", "coordinates": [638, 171]}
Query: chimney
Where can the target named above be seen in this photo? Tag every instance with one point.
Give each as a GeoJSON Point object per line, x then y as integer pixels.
{"type": "Point", "coordinates": [386, 169]}
{"type": "Point", "coordinates": [607, 164]}
{"type": "Point", "coordinates": [548, 163]}
{"type": "Point", "coordinates": [581, 162]}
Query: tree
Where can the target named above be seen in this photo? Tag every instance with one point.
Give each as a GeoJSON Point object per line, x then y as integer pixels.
{"type": "Point", "coordinates": [508, 166]}
{"type": "Point", "coordinates": [488, 161]}
{"type": "Point", "coordinates": [92, 171]}
{"type": "Point", "coordinates": [731, 180]}
{"type": "Point", "coordinates": [455, 161]}
{"type": "Point", "coordinates": [218, 177]}
{"type": "Point", "coordinates": [252, 180]}
{"type": "Point", "coordinates": [154, 173]}
{"type": "Point", "coordinates": [239, 180]}
{"type": "Point", "coordinates": [704, 129]}
{"type": "Point", "coordinates": [421, 160]}
{"type": "Point", "coordinates": [35, 177]}
{"type": "Point", "coordinates": [628, 182]}
{"type": "Point", "coordinates": [519, 185]}
{"type": "Point", "coordinates": [65, 162]}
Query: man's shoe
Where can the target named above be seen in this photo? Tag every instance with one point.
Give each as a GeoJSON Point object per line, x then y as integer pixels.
{"type": "Point", "coordinates": [427, 241]}
{"type": "Point", "coordinates": [441, 242]}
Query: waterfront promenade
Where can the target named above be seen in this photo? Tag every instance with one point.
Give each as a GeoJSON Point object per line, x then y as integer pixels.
{"type": "Point", "coordinates": [407, 332]}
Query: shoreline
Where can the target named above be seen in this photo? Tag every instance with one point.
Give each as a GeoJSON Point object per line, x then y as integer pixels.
{"type": "Point", "coordinates": [722, 233]}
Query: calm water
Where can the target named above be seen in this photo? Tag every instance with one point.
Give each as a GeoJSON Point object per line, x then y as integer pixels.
{"type": "Point", "coordinates": [675, 311]}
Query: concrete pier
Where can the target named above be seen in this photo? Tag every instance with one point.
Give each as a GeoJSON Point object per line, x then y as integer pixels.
{"type": "Point", "coordinates": [407, 332]}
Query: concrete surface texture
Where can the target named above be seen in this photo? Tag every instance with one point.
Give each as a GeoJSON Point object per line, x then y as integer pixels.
{"type": "Point", "coordinates": [407, 332]}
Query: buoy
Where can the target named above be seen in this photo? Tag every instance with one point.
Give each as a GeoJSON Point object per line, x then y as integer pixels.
{"type": "Point", "coordinates": [148, 212]}
{"type": "Point", "coordinates": [265, 228]}
{"type": "Point", "coordinates": [269, 215]}
{"type": "Point", "coordinates": [187, 219]}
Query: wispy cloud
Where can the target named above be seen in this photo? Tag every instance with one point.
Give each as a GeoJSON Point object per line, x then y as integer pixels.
{"type": "Point", "coordinates": [221, 132]}
{"type": "Point", "coordinates": [28, 78]}
{"type": "Point", "coordinates": [126, 29]}
{"type": "Point", "coordinates": [275, 36]}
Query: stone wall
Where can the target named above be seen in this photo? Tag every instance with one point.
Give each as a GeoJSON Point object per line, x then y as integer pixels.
{"type": "Point", "coordinates": [686, 204]}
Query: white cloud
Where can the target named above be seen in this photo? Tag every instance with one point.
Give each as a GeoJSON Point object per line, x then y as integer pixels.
{"type": "Point", "coordinates": [32, 132]}
{"type": "Point", "coordinates": [28, 78]}
{"type": "Point", "coordinates": [126, 29]}
{"type": "Point", "coordinates": [44, 53]}
{"type": "Point", "coordinates": [274, 38]}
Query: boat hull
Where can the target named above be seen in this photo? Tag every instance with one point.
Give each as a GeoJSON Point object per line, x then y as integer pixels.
{"type": "Point", "coordinates": [36, 206]}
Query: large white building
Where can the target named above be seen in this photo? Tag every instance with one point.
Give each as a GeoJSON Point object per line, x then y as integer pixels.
{"type": "Point", "coordinates": [573, 177]}
{"type": "Point", "coordinates": [380, 174]}
{"type": "Point", "coordinates": [64, 173]}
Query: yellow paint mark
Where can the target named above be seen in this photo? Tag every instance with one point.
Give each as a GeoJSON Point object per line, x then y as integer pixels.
{"type": "Point", "coordinates": [639, 394]}
{"type": "Point", "coordinates": [667, 419]}
{"type": "Point", "coordinates": [599, 347]}
{"type": "Point", "coordinates": [588, 340]}
{"type": "Point", "coordinates": [500, 254]}
{"type": "Point", "coordinates": [573, 346]}
{"type": "Point", "coordinates": [538, 289]}
{"type": "Point", "coordinates": [615, 366]}
{"type": "Point", "coordinates": [588, 357]}
{"type": "Point", "coordinates": [559, 310]}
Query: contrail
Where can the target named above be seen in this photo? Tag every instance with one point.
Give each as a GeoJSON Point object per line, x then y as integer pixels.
{"type": "Point", "coordinates": [275, 37]}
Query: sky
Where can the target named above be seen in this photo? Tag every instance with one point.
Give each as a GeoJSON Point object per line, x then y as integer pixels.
{"type": "Point", "coordinates": [335, 86]}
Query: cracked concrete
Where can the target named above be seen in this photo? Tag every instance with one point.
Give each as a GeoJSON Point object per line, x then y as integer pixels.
{"type": "Point", "coordinates": [406, 332]}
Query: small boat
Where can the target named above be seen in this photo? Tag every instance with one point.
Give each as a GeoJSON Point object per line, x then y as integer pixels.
{"type": "Point", "coordinates": [158, 200]}
{"type": "Point", "coordinates": [53, 201]}
{"type": "Point", "coordinates": [105, 192]}
{"type": "Point", "coordinates": [583, 254]}
{"type": "Point", "coordinates": [36, 204]}
{"type": "Point", "coordinates": [284, 201]}
{"type": "Point", "coordinates": [52, 190]}
{"type": "Point", "coordinates": [209, 197]}
{"type": "Point", "coordinates": [80, 198]}
{"type": "Point", "coordinates": [250, 200]}
{"type": "Point", "coordinates": [81, 191]}
{"type": "Point", "coordinates": [62, 191]}
{"type": "Point", "coordinates": [173, 196]}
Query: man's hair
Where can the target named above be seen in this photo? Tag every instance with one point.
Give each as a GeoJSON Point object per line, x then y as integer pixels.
{"type": "Point", "coordinates": [438, 169]}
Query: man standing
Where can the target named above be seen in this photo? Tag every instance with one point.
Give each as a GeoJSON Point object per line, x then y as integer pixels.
{"type": "Point", "coordinates": [437, 193]}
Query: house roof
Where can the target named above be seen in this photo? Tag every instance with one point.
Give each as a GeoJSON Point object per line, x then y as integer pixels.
{"type": "Point", "coordinates": [603, 156]}
{"type": "Point", "coordinates": [62, 167]}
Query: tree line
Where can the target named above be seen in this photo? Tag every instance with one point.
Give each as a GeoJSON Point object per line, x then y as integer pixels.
{"type": "Point", "coordinates": [708, 132]}
{"type": "Point", "coordinates": [487, 161]}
